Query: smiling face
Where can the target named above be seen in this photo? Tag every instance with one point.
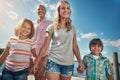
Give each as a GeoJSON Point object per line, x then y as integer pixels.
{"type": "Point", "coordinates": [96, 49]}
{"type": "Point", "coordinates": [25, 30]}
{"type": "Point", "coordinates": [96, 46]}
{"type": "Point", "coordinates": [41, 11]}
{"type": "Point", "coordinates": [64, 10]}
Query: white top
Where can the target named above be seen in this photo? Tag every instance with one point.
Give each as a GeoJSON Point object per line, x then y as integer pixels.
{"type": "Point", "coordinates": [61, 50]}
{"type": "Point", "coordinates": [96, 57]}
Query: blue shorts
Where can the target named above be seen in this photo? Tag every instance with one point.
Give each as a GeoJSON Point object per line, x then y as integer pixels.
{"type": "Point", "coordinates": [64, 70]}
{"type": "Point", "coordinates": [10, 75]}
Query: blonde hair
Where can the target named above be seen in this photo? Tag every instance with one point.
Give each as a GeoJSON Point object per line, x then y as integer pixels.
{"type": "Point", "coordinates": [20, 25]}
{"type": "Point", "coordinates": [57, 18]}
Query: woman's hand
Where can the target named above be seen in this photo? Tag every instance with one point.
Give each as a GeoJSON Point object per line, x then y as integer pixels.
{"type": "Point", "coordinates": [80, 68]}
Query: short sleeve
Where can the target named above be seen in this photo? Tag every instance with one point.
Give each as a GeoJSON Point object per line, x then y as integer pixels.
{"type": "Point", "coordinates": [84, 61]}
{"type": "Point", "coordinates": [8, 42]}
{"type": "Point", "coordinates": [109, 68]}
{"type": "Point", "coordinates": [50, 29]}
{"type": "Point", "coordinates": [34, 44]}
{"type": "Point", "coordinates": [74, 29]}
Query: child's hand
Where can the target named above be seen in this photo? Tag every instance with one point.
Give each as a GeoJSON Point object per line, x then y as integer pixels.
{"type": "Point", "coordinates": [35, 68]}
{"type": "Point", "coordinates": [80, 68]}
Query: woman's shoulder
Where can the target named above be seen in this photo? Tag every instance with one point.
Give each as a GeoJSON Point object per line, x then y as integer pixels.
{"type": "Point", "coordinates": [74, 28]}
{"type": "Point", "coordinates": [50, 27]}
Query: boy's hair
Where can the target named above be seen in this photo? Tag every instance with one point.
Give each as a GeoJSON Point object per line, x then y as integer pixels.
{"type": "Point", "coordinates": [20, 25]}
{"type": "Point", "coordinates": [96, 41]}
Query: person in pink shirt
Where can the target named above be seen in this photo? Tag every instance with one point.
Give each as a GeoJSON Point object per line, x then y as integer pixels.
{"type": "Point", "coordinates": [40, 30]}
{"type": "Point", "coordinates": [63, 48]}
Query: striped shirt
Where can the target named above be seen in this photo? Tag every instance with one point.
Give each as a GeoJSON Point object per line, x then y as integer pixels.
{"type": "Point", "coordinates": [19, 54]}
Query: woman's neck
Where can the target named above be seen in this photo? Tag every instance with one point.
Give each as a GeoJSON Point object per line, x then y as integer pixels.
{"type": "Point", "coordinates": [62, 23]}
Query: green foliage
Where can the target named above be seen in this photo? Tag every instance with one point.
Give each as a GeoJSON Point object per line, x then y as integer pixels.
{"type": "Point", "coordinates": [1, 50]}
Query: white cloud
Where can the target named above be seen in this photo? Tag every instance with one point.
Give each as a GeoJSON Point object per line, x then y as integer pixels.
{"type": "Point", "coordinates": [115, 43]}
{"type": "Point", "coordinates": [9, 4]}
{"type": "Point", "coordinates": [33, 11]}
{"type": "Point", "coordinates": [52, 7]}
{"type": "Point", "coordinates": [101, 33]}
{"type": "Point", "coordinates": [78, 39]}
{"type": "Point", "coordinates": [44, 2]}
{"type": "Point", "coordinates": [84, 52]}
{"type": "Point", "coordinates": [48, 15]}
{"type": "Point", "coordinates": [78, 31]}
{"type": "Point", "coordinates": [25, 1]}
{"type": "Point", "coordinates": [88, 35]}
{"type": "Point", "coordinates": [13, 15]}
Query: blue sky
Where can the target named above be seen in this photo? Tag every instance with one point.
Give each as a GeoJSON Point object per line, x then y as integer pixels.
{"type": "Point", "coordinates": [92, 18]}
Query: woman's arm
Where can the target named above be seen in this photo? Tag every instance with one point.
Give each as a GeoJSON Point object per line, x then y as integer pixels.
{"type": "Point", "coordinates": [77, 54]}
{"type": "Point", "coordinates": [76, 49]}
{"type": "Point", "coordinates": [43, 49]}
{"type": "Point", "coordinates": [34, 54]}
{"type": "Point", "coordinates": [4, 55]}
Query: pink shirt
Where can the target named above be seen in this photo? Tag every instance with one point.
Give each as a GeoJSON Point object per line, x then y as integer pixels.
{"type": "Point", "coordinates": [40, 32]}
{"type": "Point", "coordinates": [19, 53]}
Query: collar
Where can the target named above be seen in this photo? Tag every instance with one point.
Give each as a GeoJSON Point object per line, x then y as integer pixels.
{"type": "Point", "coordinates": [100, 56]}
{"type": "Point", "coordinates": [38, 20]}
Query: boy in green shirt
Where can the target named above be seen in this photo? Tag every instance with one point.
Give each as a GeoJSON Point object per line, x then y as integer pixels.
{"type": "Point", "coordinates": [97, 66]}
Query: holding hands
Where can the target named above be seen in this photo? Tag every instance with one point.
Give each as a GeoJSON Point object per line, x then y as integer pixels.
{"type": "Point", "coordinates": [80, 68]}
{"type": "Point", "coordinates": [35, 67]}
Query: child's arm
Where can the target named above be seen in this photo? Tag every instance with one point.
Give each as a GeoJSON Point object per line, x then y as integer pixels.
{"type": "Point", "coordinates": [4, 55]}
{"type": "Point", "coordinates": [109, 70]}
{"type": "Point", "coordinates": [32, 59]}
{"type": "Point", "coordinates": [34, 54]}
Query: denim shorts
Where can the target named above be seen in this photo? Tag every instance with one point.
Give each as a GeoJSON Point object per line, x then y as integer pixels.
{"type": "Point", "coordinates": [64, 70]}
{"type": "Point", "coordinates": [10, 75]}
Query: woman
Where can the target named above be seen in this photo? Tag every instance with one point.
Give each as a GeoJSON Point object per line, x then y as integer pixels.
{"type": "Point", "coordinates": [60, 62]}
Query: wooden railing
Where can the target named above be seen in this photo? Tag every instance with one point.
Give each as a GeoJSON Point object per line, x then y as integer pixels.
{"type": "Point", "coordinates": [116, 66]}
